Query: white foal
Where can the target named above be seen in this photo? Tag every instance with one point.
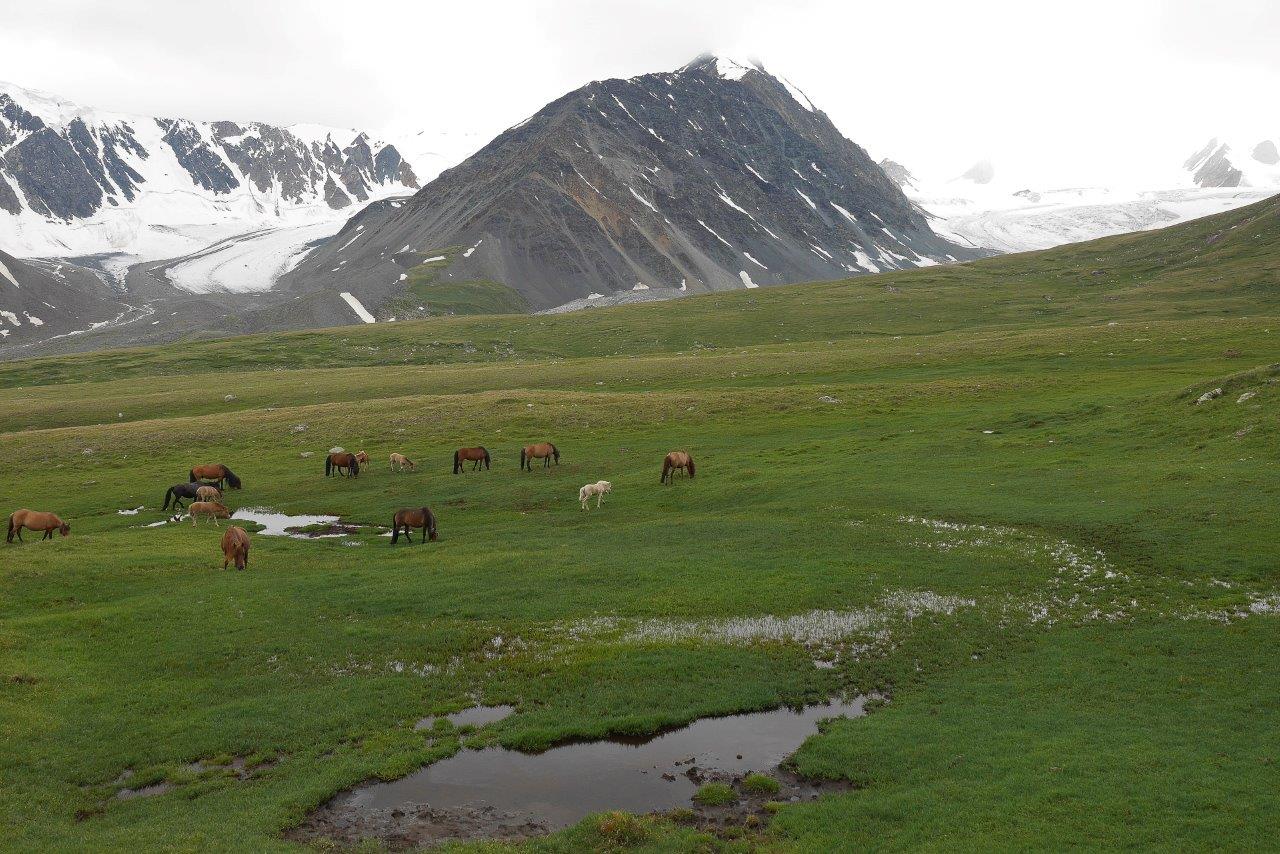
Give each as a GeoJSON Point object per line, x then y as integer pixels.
{"type": "Point", "coordinates": [598, 489]}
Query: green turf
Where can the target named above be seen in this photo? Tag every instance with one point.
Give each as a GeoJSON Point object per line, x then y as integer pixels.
{"type": "Point", "coordinates": [1060, 561]}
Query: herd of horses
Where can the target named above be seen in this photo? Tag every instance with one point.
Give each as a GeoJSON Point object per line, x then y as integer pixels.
{"type": "Point", "coordinates": [205, 484]}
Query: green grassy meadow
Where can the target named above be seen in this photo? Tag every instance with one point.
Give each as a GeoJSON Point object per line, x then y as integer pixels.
{"type": "Point", "coordinates": [1065, 568]}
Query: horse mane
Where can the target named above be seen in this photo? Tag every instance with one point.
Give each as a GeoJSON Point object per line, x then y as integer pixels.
{"type": "Point", "coordinates": [232, 480]}
{"type": "Point", "coordinates": [192, 474]}
{"type": "Point", "coordinates": [430, 519]}
{"type": "Point", "coordinates": [690, 459]}
{"type": "Point", "coordinates": [555, 451]}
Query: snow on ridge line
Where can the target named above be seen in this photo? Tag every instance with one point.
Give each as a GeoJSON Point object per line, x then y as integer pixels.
{"type": "Point", "coordinates": [4, 272]}
{"type": "Point", "coordinates": [358, 308]}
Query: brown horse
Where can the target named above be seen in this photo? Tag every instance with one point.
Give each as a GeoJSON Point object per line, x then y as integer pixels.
{"type": "Point", "coordinates": [235, 547]}
{"type": "Point", "coordinates": [210, 509]}
{"type": "Point", "coordinates": [676, 460]}
{"type": "Point", "coordinates": [216, 473]}
{"type": "Point", "coordinates": [542, 451]}
{"type": "Point", "coordinates": [335, 463]}
{"type": "Point", "coordinates": [421, 517]}
{"type": "Point", "coordinates": [34, 520]}
{"type": "Point", "coordinates": [477, 456]}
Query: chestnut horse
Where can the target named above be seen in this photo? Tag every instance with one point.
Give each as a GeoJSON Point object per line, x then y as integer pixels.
{"type": "Point", "coordinates": [34, 520]}
{"type": "Point", "coordinates": [477, 456]}
{"type": "Point", "coordinates": [335, 463]}
{"type": "Point", "coordinates": [211, 509]}
{"type": "Point", "coordinates": [421, 517]}
{"type": "Point", "coordinates": [215, 474]}
{"type": "Point", "coordinates": [235, 547]}
{"type": "Point", "coordinates": [542, 451]}
{"type": "Point", "coordinates": [676, 460]}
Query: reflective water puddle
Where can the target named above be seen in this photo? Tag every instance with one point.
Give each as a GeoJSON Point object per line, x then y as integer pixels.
{"type": "Point", "coordinates": [475, 716]}
{"type": "Point", "coordinates": [499, 793]}
{"type": "Point", "coordinates": [283, 525]}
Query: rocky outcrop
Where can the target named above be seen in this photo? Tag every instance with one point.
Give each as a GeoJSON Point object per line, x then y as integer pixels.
{"type": "Point", "coordinates": [716, 176]}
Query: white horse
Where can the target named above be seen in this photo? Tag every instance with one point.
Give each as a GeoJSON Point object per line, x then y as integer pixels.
{"type": "Point", "coordinates": [598, 489]}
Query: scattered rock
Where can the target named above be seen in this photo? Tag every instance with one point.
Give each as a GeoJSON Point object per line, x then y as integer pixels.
{"type": "Point", "coordinates": [337, 449]}
{"type": "Point", "coordinates": [1098, 273]}
{"type": "Point", "coordinates": [1212, 394]}
{"type": "Point", "coordinates": [1246, 396]}
{"type": "Point", "coordinates": [298, 428]}
{"type": "Point", "coordinates": [88, 452]}
{"type": "Point", "coordinates": [228, 397]}
{"type": "Point", "coordinates": [306, 454]}
{"type": "Point", "coordinates": [826, 398]}
{"type": "Point", "coordinates": [1243, 431]}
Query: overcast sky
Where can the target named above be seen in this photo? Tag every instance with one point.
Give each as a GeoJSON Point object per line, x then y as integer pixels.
{"type": "Point", "coordinates": [1062, 92]}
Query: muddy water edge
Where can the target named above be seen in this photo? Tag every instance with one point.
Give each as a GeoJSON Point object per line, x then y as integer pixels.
{"type": "Point", "coordinates": [501, 794]}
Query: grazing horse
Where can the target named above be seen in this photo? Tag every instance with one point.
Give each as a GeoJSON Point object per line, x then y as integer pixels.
{"type": "Point", "coordinates": [335, 463]}
{"type": "Point", "coordinates": [34, 520]}
{"type": "Point", "coordinates": [210, 509]}
{"type": "Point", "coordinates": [477, 456]}
{"type": "Point", "coordinates": [598, 489]}
{"type": "Point", "coordinates": [216, 474]}
{"type": "Point", "coordinates": [189, 491]}
{"type": "Point", "coordinates": [421, 517]}
{"type": "Point", "coordinates": [235, 547]}
{"type": "Point", "coordinates": [399, 462]}
{"type": "Point", "coordinates": [542, 451]}
{"type": "Point", "coordinates": [208, 493]}
{"type": "Point", "coordinates": [362, 458]}
{"type": "Point", "coordinates": [676, 460]}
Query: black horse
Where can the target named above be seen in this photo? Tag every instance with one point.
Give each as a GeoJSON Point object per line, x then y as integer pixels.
{"type": "Point", "coordinates": [179, 491]}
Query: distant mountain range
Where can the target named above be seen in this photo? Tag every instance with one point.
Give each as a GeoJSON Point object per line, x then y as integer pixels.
{"type": "Point", "coordinates": [1224, 164]}
{"type": "Point", "coordinates": [715, 176]}
{"type": "Point", "coordinates": [77, 181]}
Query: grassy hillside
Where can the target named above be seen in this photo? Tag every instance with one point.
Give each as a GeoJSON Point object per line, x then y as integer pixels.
{"type": "Point", "coordinates": [1018, 438]}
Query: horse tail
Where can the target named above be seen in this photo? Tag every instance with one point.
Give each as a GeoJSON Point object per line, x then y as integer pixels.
{"type": "Point", "coordinates": [395, 528]}
{"type": "Point", "coordinates": [666, 467]}
{"type": "Point", "coordinates": [690, 466]}
{"type": "Point", "coordinates": [457, 461]}
{"type": "Point", "coordinates": [522, 459]}
{"type": "Point", "coordinates": [192, 475]}
{"type": "Point", "coordinates": [555, 452]}
{"type": "Point", "coordinates": [167, 495]}
{"type": "Point", "coordinates": [232, 480]}
{"type": "Point", "coordinates": [486, 457]}
{"type": "Point", "coordinates": [431, 524]}
{"type": "Point", "coordinates": [328, 466]}
{"type": "Point", "coordinates": [9, 538]}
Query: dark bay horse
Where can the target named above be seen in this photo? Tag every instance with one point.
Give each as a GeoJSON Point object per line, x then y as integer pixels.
{"type": "Point", "coordinates": [335, 463]}
{"type": "Point", "coordinates": [183, 491]}
{"type": "Point", "coordinates": [477, 456]}
{"type": "Point", "coordinates": [235, 547]}
{"type": "Point", "coordinates": [420, 517]}
{"type": "Point", "coordinates": [542, 451]}
{"type": "Point", "coordinates": [34, 520]}
{"type": "Point", "coordinates": [216, 474]}
{"type": "Point", "coordinates": [676, 460]}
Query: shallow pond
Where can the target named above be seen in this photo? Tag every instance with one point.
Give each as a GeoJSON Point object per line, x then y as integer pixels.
{"type": "Point", "coordinates": [476, 716]}
{"type": "Point", "coordinates": [506, 789]}
{"type": "Point", "coordinates": [279, 524]}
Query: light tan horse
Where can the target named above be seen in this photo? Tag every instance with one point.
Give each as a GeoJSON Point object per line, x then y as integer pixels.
{"type": "Point", "coordinates": [235, 547]}
{"type": "Point", "coordinates": [209, 509]}
{"type": "Point", "coordinates": [34, 520]}
{"type": "Point", "coordinates": [399, 462]}
{"type": "Point", "coordinates": [598, 489]}
{"type": "Point", "coordinates": [208, 493]}
{"type": "Point", "coordinates": [542, 451]}
{"type": "Point", "coordinates": [362, 458]}
{"type": "Point", "coordinates": [676, 460]}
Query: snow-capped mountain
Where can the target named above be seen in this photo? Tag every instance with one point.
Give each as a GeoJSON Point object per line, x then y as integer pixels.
{"type": "Point", "coordinates": [76, 181]}
{"type": "Point", "coordinates": [1235, 164]}
{"type": "Point", "coordinates": [983, 208]}
{"type": "Point", "coordinates": [716, 176]}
